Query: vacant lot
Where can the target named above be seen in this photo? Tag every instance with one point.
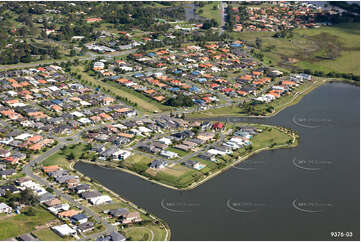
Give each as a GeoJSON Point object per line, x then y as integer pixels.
{"type": "Point", "coordinates": [48, 235]}
{"type": "Point", "coordinates": [211, 10]}
{"type": "Point", "coordinates": [269, 137]}
{"type": "Point", "coordinates": [60, 158]}
{"type": "Point", "coordinates": [178, 176]}
{"type": "Point", "coordinates": [22, 223]}
{"type": "Point", "coordinates": [329, 48]}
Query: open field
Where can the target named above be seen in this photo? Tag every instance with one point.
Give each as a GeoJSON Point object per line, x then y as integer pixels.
{"type": "Point", "coordinates": [269, 137]}
{"type": "Point", "coordinates": [22, 223]}
{"type": "Point", "coordinates": [209, 11]}
{"type": "Point", "coordinates": [59, 158]}
{"type": "Point", "coordinates": [328, 48]}
{"type": "Point", "coordinates": [178, 176]}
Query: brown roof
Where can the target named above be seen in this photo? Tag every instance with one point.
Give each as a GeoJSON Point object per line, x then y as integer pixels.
{"type": "Point", "coordinates": [53, 202]}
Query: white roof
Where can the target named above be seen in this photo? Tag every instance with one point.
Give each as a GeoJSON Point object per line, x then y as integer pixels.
{"type": "Point", "coordinates": [3, 206]}
{"type": "Point", "coordinates": [100, 199]}
{"type": "Point", "coordinates": [23, 136]}
{"type": "Point", "coordinates": [84, 103]}
{"type": "Point", "coordinates": [165, 140]}
{"type": "Point", "coordinates": [64, 229]}
{"type": "Point", "coordinates": [78, 114]}
{"type": "Point", "coordinates": [84, 120]}
{"type": "Point", "coordinates": [53, 88]}
{"type": "Point", "coordinates": [216, 152]}
{"type": "Point", "coordinates": [144, 129]}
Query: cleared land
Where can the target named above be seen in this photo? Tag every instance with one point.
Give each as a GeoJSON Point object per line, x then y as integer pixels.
{"type": "Point", "coordinates": [22, 223]}
{"type": "Point", "coordinates": [60, 158]}
{"type": "Point", "coordinates": [211, 10]}
{"type": "Point", "coordinates": [328, 48]}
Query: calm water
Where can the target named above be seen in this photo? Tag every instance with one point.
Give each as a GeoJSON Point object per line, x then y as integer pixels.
{"type": "Point", "coordinates": [302, 193]}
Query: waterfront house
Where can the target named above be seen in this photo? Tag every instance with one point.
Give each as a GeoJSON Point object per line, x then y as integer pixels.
{"type": "Point", "coordinates": [119, 212]}
{"type": "Point", "coordinates": [131, 217]}
{"type": "Point", "coordinates": [100, 200]}
{"type": "Point", "coordinates": [169, 154]}
{"type": "Point", "coordinates": [158, 164]}
{"type": "Point", "coordinates": [90, 194]}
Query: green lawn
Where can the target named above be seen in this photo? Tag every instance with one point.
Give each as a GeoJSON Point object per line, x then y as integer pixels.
{"type": "Point", "coordinates": [144, 233]}
{"type": "Point", "coordinates": [21, 223]}
{"type": "Point", "coordinates": [59, 158]}
{"type": "Point", "coordinates": [328, 48]}
{"type": "Point", "coordinates": [137, 159]}
{"type": "Point", "coordinates": [267, 138]}
{"type": "Point", "coordinates": [210, 13]}
{"type": "Point", "coordinates": [48, 235]}
{"type": "Point", "coordinates": [178, 176]}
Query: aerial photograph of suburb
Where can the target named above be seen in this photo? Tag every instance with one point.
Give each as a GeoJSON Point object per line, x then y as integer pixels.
{"type": "Point", "coordinates": [179, 120]}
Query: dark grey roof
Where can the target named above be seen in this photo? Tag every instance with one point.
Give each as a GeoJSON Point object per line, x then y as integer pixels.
{"type": "Point", "coordinates": [27, 237]}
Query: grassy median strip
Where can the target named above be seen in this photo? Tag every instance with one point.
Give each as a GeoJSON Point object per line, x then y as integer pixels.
{"type": "Point", "coordinates": [142, 102]}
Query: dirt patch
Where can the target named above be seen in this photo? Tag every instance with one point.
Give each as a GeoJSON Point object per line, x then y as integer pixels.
{"type": "Point", "coordinates": [152, 172]}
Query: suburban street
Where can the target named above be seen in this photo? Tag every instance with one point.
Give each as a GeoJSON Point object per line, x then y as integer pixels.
{"type": "Point", "coordinates": [29, 172]}
{"type": "Point", "coordinates": [53, 61]}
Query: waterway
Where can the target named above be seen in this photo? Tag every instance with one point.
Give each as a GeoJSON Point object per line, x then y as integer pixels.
{"type": "Point", "coordinates": [303, 193]}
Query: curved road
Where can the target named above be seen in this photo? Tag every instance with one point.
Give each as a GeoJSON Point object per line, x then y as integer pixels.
{"type": "Point", "coordinates": [29, 172]}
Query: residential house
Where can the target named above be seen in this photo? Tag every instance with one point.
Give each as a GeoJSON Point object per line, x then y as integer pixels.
{"type": "Point", "coordinates": [4, 208]}
{"type": "Point", "coordinates": [64, 230]}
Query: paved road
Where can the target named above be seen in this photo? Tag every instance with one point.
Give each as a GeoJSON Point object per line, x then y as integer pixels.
{"type": "Point", "coordinates": [29, 172]}
{"type": "Point", "coordinates": [222, 15]}
{"type": "Point", "coordinates": [91, 57]}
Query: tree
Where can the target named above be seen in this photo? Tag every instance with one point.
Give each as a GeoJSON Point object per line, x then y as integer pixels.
{"type": "Point", "coordinates": [27, 197]}
{"type": "Point", "coordinates": [258, 43]}
{"type": "Point", "coordinates": [49, 189]}
{"type": "Point", "coordinates": [71, 156]}
{"type": "Point", "coordinates": [30, 212]}
{"type": "Point", "coordinates": [179, 101]}
{"type": "Point", "coordinates": [72, 52]}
